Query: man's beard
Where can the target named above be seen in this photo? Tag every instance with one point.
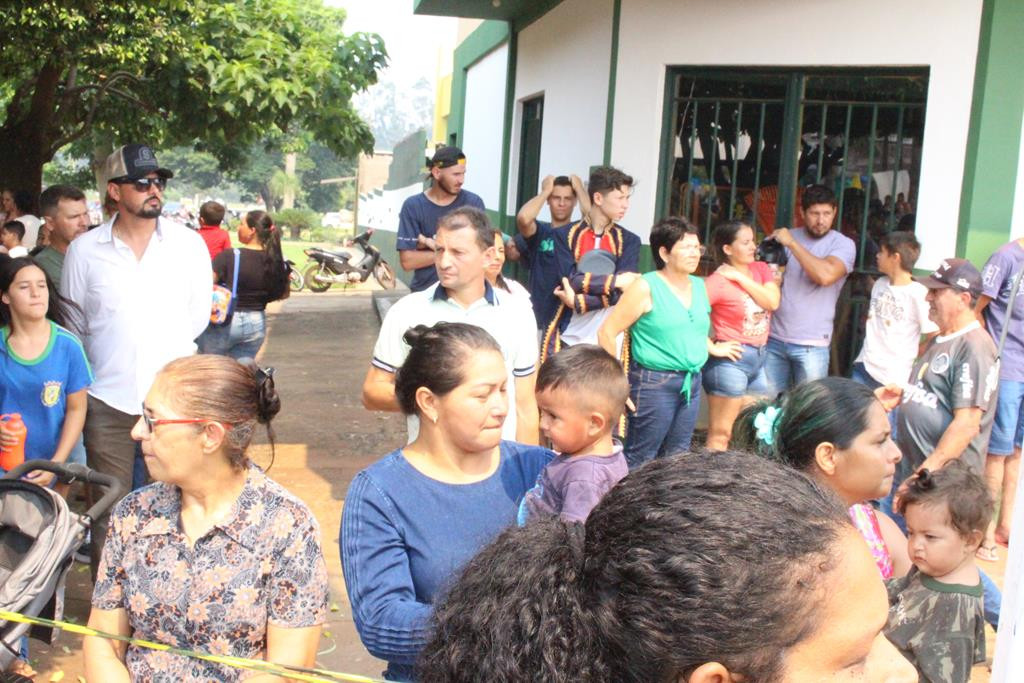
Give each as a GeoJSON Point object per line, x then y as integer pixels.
{"type": "Point", "coordinates": [447, 187]}
{"type": "Point", "coordinates": [148, 211]}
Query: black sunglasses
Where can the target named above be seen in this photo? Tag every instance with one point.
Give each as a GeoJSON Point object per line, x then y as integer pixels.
{"type": "Point", "coordinates": [143, 184]}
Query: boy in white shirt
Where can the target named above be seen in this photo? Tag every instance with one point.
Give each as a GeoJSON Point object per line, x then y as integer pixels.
{"type": "Point", "coordinates": [11, 236]}
{"type": "Point", "coordinates": [897, 318]}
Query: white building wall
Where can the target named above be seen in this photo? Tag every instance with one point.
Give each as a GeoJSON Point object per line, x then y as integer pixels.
{"type": "Point", "coordinates": [565, 56]}
{"type": "Point", "coordinates": [482, 126]}
{"type": "Point", "coordinates": [941, 34]}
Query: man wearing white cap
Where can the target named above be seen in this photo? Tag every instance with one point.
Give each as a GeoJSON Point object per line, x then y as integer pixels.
{"type": "Point", "coordinates": [144, 285]}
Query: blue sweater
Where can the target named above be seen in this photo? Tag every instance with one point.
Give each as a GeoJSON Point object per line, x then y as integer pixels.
{"type": "Point", "coordinates": [405, 536]}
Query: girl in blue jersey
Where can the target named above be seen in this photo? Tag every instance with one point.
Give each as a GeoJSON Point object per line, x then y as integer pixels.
{"type": "Point", "coordinates": [44, 368]}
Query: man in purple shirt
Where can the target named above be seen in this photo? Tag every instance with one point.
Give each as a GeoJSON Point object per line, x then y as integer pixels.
{"type": "Point", "coordinates": [820, 259]}
{"type": "Point", "coordinates": [1002, 463]}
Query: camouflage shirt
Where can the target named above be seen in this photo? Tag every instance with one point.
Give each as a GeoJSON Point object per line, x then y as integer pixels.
{"type": "Point", "coordinates": [939, 627]}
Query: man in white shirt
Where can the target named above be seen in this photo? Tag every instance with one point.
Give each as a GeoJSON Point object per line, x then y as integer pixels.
{"type": "Point", "coordinates": [465, 247]}
{"type": "Point", "coordinates": [144, 285]}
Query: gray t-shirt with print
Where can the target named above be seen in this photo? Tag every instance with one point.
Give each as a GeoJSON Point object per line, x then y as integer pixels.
{"type": "Point", "coordinates": [955, 371]}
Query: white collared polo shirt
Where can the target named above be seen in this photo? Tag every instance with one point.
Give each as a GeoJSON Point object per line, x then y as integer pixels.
{"type": "Point", "coordinates": [505, 317]}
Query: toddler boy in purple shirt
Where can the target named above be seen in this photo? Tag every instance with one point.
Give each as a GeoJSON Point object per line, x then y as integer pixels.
{"type": "Point", "coordinates": [581, 392]}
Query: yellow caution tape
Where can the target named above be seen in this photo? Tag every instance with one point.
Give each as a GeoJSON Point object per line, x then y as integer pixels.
{"type": "Point", "coordinates": [297, 673]}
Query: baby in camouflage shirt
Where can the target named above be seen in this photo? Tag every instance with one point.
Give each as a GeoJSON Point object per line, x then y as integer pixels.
{"type": "Point", "coordinates": [936, 617]}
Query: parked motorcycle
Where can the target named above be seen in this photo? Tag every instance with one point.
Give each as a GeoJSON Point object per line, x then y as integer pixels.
{"type": "Point", "coordinates": [295, 280]}
{"type": "Point", "coordinates": [326, 268]}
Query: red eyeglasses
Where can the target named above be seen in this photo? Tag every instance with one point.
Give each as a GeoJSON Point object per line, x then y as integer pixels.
{"type": "Point", "coordinates": [151, 423]}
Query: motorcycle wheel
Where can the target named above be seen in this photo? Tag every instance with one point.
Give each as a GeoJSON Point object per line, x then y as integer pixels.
{"type": "Point", "coordinates": [384, 275]}
{"type": "Point", "coordinates": [295, 280]}
{"type": "Point", "coordinates": [309, 274]}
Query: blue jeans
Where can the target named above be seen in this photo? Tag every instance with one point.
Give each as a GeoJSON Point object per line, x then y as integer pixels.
{"type": "Point", "coordinates": [787, 364]}
{"type": "Point", "coordinates": [993, 597]}
{"type": "Point", "coordinates": [242, 338]}
{"type": "Point", "coordinates": [736, 378]}
{"type": "Point", "coordinates": [664, 420]}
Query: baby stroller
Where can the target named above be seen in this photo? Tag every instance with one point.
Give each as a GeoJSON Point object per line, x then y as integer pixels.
{"type": "Point", "coordinates": [38, 538]}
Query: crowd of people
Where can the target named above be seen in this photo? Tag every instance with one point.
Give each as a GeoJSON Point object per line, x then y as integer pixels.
{"type": "Point", "coordinates": [549, 516]}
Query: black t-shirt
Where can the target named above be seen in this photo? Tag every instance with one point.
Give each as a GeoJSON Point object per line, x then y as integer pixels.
{"type": "Point", "coordinates": [255, 289]}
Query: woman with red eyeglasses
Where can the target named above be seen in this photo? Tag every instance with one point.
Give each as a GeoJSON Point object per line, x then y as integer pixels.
{"type": "Point", "coordinates": [214, 556]}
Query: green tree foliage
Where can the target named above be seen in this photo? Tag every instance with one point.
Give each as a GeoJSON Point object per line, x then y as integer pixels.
{"type": "Point", "coordinates": [172, 72]}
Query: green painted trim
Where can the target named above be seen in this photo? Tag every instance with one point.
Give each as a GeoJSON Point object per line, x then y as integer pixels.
{"type": "Point", "coordinates": [487, 37]}
{"type": "Point", "coordinates": [506, 133]}
{"type": "Point", "coordinates": [790, 151]}
{"type": "Point", "coordinates": [613, 69]}
{"type": "Point", "coordinates": [993, 140]}
{"type": "Point", "coordinates": [5, 333]}
{"type": "Point", "coordinates": [667, 152]}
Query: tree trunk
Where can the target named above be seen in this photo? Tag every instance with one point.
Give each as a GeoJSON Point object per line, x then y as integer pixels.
{"type": "Point", "coordinates": [288, 200]}
{"type": "Point", "coordinates": [28, 134]}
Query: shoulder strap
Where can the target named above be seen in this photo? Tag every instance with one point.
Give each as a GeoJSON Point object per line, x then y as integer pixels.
{"type": "Point", "coordinates": [234, 278]}
{"type": "Point", "coordinates": [1009, 312]}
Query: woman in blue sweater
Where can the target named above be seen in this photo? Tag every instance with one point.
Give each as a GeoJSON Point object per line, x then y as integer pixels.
{"type": "Point", "coordinates": [413, 519]}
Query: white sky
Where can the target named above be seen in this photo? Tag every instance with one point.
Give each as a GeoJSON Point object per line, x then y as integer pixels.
{"type": "Point", "coordinates": [413, 41]}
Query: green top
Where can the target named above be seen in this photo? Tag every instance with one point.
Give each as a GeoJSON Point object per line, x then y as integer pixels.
{"type": "Point", "coordinates": [672, 337]}
{"type": "Point", "coordinates": [52, 262]}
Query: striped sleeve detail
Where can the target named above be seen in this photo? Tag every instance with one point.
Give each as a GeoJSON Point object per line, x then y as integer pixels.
{"type": "Point", "coordinates": [523, 372]}
{"type": "Point", "coordinates": [378, 363]}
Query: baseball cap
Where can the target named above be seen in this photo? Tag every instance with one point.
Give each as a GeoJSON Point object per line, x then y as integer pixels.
{"type": "Point", "coordinates": [958, 273]}
{"type": "Point", "coordinates": [596, 262]}
{"type": "Point", "coordinates": [133, 162]}
{"type": "Point", "coordinates": [446, 157]}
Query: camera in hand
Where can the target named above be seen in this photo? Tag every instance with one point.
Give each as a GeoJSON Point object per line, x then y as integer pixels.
{"type": "Point", "coordinates": [771, 252]}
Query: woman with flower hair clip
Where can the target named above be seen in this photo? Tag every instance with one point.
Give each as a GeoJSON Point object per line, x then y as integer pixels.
{"type": "Point", "coordinates": [837, 432]}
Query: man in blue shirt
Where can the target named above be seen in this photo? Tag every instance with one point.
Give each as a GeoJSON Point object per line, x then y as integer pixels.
{"type": "Point", "coordinates": [536, 240]}
{"type": "Point", "coordinates": [417, 221]}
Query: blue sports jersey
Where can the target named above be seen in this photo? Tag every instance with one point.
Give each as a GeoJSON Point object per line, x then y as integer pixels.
{"type": "Point", "coordinates": [38, 388]}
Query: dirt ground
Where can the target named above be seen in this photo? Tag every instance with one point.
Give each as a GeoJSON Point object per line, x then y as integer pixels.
{"type": "Point", "coordinates": [320, 345]}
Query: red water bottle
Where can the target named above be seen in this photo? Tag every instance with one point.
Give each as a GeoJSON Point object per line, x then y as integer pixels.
{"type": "Point", "coordinates": [15, 455]}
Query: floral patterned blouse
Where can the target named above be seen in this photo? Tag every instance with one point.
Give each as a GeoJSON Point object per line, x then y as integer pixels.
{"type": "Point", "coordinates": [263, 564]}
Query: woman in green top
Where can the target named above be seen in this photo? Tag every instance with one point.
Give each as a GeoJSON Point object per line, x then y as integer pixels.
{"type": "Point", "coordinates": [668, 317]}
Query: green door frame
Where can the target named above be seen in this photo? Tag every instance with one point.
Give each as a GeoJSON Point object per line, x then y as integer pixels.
{"type": "Point", "coordinates": [993, 141]}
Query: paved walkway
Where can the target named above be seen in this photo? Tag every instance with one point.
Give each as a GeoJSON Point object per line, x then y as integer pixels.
{"type": "Point", "coordinates": [320, 345]}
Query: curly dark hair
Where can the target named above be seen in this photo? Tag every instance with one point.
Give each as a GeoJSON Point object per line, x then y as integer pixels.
{"type": "Point", "coordinates": [682, 563]}
{"type": "Point", "coordinates": [964, 493]}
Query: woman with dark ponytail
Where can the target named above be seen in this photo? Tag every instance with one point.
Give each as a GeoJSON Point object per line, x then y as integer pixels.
{"type": "Point", "coordinates": [214, 556]}
{"type": "Point", "coordinates": [262, 278]}
{"type": "Point", "coordinates": [682, 573]}
{"type": "Point", "coordinates": [414, 518]}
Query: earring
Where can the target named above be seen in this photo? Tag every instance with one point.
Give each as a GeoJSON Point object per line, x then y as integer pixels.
{"type": "Point", "coordinates": [435, 419]}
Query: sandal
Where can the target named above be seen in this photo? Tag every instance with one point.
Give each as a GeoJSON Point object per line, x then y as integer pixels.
{"type": "Point", "coordinates": [987, 553]}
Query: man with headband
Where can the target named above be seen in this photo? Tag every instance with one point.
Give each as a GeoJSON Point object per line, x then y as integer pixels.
{"type": "Point", "coordinates": [417, 221]}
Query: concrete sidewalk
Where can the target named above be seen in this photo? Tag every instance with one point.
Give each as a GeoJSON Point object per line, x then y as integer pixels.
{"type": "Point", "coordinates": [320, 346]}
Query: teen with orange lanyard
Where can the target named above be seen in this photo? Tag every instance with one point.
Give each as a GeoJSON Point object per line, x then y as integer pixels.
{"type": "Point", "coordinates": [609, 190]}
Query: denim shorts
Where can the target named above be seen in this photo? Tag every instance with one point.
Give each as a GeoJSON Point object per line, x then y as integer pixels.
{"type": "Point", "coordinates": [736, 378]}
{"type": "Point", "coordinates": [1008, 425]}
